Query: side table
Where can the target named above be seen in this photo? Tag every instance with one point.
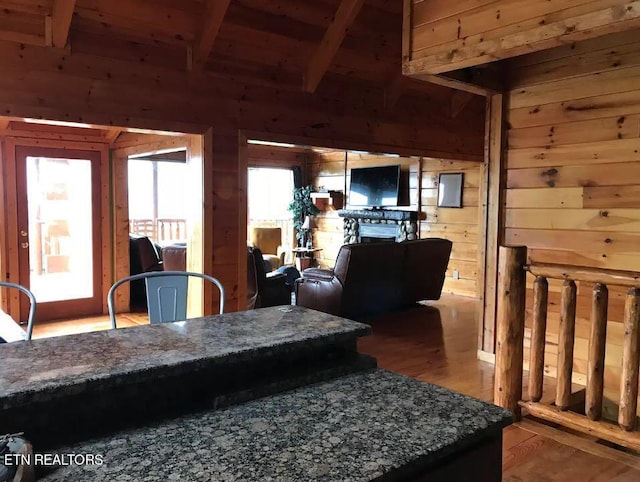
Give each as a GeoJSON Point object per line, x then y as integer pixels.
{"type": "Point", "coordinates": [305, 257]}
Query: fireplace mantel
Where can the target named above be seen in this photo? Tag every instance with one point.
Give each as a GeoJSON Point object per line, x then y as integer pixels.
{"type": "Point", "coordinates": [382, 214]}
{"type": "Point", "coordinates": [361, 225]}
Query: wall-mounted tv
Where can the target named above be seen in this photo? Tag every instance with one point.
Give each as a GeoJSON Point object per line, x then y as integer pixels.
{"type": "Point", "coordinates": [375, 186]}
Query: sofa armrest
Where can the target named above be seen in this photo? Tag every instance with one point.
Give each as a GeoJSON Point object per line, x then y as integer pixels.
{"type": "Point", "coordinates": [318, 274]}
{"type": "Point", "coordinates": [319, 290]}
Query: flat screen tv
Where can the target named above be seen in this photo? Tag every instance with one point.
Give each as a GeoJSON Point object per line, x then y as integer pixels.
{"type": "Point", "coordinates": [375, 186]}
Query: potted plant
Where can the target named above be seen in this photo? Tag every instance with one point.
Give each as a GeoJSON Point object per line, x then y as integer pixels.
{"type": "Point", "coordinates": [301, 207]}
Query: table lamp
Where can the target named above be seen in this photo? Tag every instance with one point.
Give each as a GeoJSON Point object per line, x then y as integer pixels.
{"type": "Point", "coordinates": [308, 225]}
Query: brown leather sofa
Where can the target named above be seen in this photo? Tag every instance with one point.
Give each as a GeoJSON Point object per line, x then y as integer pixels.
{"type": "Point", "coordinates": [374, 278]}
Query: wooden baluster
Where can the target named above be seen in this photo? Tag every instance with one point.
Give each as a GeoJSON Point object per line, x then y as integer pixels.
{"type": "Point", "coordinates": [510, 328]}
{"type": "Point", "coordinates": [630, 361]}
{"type": "Point", "coordinates": [565, 344]}
{"type": "Point", "coordinates": [597, 342]}
{"type": "Point", "coordinates": [538, 331]}
{"type": "Point", "coordinates": [178, 233]}
{"type": "Point", "coordinates": [163, 230]}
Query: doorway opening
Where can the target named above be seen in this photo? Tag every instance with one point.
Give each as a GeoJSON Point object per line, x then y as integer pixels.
{"type": "Point", "coordinates": [65, 211]}
{"type": "Point", "coordinates": [270, 225]}
{"type": "Point", "coordinates": [59, 229]}
{"type": "Point", "coordinates": [157, 196]}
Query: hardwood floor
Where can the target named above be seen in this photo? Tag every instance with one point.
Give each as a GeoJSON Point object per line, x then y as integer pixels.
{"type": "Point", "coordinates": [438, 344]}
{"type": "Point", "coordinates": [84, 325]}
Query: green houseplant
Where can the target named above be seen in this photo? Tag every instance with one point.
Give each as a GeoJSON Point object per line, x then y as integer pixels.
{"type": "Point", "coordinates": [301, 207]}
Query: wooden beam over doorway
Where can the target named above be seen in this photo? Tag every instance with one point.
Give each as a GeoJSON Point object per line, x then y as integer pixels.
{"type": "Point", "coordinates": [112, 134]}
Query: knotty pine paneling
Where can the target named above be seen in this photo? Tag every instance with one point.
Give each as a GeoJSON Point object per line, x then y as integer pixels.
{"type": "Point", "coordinates": [461, 226]}
{"type": "Point", "coordinates": [573, 178]}
{"type": "Point", "coordinates": [144, 89]}
{"type": "Point", "coordinates": [445, 36]}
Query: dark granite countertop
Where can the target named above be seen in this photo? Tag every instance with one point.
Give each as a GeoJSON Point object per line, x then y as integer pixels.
{"type": "Point", "coordinates": [366, 426]}
{"type": "Point", "coordinates": [41, 370]}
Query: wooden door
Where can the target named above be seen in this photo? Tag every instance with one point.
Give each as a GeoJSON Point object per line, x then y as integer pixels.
{"type": "Point", "coordinates": [59, 230]}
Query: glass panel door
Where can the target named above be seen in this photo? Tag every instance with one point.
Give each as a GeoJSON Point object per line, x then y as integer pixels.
{"type": "Point", "coordinates": [59, 230]}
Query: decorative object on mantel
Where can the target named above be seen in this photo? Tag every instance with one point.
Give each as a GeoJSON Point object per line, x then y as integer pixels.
{"type": "Point", "coordinates": [450, 190]}
{"type": "Point", "coordinates": [301, 207]}
{"type": "Point", "coordinates": [379, 225]}
{"type": "Point", "coordinates": [323, 199]}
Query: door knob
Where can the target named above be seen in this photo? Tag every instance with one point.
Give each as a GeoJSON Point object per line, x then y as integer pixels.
{"type": "Point", "coordinates": [24, 233]}
{"type": "Point", "coordinates": [24, 245]}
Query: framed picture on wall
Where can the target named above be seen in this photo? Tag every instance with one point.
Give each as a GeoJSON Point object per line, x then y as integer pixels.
{"type": "Point", "coordinates": [450, 190]}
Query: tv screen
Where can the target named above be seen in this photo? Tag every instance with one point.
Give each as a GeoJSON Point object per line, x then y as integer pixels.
{"type": "Point", "coordinates": [374, 186]}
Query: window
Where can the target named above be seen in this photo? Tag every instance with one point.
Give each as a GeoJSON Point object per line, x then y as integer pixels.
{"type": "Point", "coordinates": [157, 205]}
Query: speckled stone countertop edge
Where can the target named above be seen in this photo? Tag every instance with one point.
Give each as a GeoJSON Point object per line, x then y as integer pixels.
{"type": "Point", "coordinates": [413, 419]}
{"type": "Point", "coordinates": [102, 381]}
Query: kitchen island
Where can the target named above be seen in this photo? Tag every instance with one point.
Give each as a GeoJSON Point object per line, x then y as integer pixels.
{"type": "Point", "coordinates": [317, 410]}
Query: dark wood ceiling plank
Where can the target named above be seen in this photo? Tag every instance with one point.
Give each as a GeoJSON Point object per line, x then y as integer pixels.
{"type": "Point", "coordinates": [333, 37]}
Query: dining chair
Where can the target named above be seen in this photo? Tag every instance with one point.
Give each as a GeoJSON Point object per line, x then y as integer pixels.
{"type": "Point", "coordinates": [13, 333]}
{"type": "Point", "coordinates": [166, 294]}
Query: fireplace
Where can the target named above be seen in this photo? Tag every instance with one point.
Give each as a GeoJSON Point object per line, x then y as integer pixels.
{"type": "Point", "coordinates": [365, 226]}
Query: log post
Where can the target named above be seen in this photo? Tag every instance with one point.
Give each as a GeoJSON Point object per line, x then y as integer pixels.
{"type": "Point", "coordinates": [538, 331]}
{"type": "Point", "coordinates": [597, 342]}
{"type": "Point", "coordinates": [565, 344]}
{"type": "Point", "coordinates": [510, 327]}
{"type": "Point", "coordinates": [630, 360]}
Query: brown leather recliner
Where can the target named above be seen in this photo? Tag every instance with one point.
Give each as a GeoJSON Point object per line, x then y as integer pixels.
{"type": "Point", "coordinates": [374, 278]}
{"type": "Point", "coordinates": [272, 287]}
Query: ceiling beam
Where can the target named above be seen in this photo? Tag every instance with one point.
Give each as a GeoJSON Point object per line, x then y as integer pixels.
{"type": "Point", "coordinates": [321, 60]}
{"type": "Point", "coordinates": [61, 15]}
{"type": "Point", "coordinates": [214, 13]}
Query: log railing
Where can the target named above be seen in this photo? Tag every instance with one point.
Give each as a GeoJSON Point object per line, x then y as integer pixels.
{"type": "Point", "coordinates": [508, 388]}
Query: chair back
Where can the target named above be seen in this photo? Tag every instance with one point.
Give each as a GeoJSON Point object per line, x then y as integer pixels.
{"type": "Point", "coordinates": [267, 239]}
{"type": "Point", "coordinates": [32, 307]}
{"type": "Point", "coordinates": [166, 294]}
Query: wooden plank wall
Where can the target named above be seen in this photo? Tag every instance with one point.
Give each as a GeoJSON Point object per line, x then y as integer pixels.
{"type": "Point", "coordinates": [573, 174]}
{"type": "Point", "coordinates": [44, 83]}
{"type": "Point", "coordinates": [326, 170]}
{"type": "Point", "coordinates": [448, 35]}
{"type": "Point", "coordinates": [461, 226]}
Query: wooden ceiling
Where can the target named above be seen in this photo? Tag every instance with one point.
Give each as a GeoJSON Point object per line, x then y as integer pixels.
{"type": "Point", "coordinates": [288, 44]}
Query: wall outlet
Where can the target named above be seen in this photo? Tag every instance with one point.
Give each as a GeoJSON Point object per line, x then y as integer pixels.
{"type": "Point", "coordinates": [456, 274]}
